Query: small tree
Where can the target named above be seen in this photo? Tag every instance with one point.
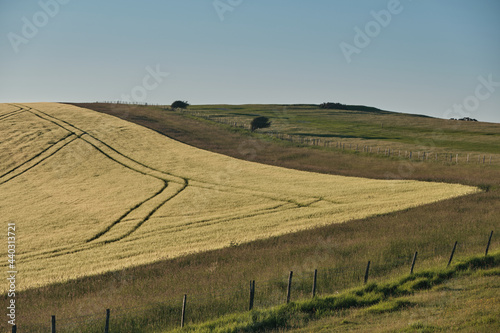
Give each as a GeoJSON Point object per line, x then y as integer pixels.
{"type": "Point", "coordinates": [179, 105]}
{"type": "Point", "coordinates": [259, 122]}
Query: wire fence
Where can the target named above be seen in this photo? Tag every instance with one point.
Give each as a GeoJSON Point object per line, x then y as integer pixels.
{"type": "Point", "coordinates": [424, 155]}
{"type": "Point", "coordinates": [215, 302]}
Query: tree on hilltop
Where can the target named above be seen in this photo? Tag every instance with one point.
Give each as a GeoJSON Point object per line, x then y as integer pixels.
{"type": "Point", "coordinates": [179, 105]}
{"type": "Point", "coordinates": [259, 122]}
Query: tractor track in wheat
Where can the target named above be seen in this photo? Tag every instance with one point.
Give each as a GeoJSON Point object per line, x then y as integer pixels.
{"type": "Point", "coordinates": [106, 150]}
{"type": "Point", "coordinates": [11, 113]}
{"type": "Point", "coordinates": [124, 226]}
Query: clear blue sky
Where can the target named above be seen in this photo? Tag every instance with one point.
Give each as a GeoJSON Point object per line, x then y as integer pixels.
{"type": "Point", "coordinates": [427, 58]}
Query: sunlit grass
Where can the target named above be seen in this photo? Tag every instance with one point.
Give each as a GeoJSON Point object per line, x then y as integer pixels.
{"type": "Point", "coordinates": [373, 299]}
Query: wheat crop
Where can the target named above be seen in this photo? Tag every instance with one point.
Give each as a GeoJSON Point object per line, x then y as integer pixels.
{"type": "Point", "coordinates": [91, 193]}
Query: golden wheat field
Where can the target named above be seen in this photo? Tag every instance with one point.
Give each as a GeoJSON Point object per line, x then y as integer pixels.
{"type": "Point", "coordinates": [90, 193]}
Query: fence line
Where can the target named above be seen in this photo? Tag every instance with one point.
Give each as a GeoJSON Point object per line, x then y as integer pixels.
{"type": "Point", "coordinates": [295, 289]}
{"type": "Point", "coordinates": [452, 158]}
{"type": "Point", "coordinates": [424, 156]}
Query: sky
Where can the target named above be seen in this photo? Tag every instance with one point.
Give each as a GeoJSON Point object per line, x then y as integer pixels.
{"type": "Point", "coordinates": [434, 57]}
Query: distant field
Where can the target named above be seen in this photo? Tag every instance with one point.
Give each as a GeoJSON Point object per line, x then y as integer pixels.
{"type": "Point", "coordinates": [90, 193]}
{"type": "Point", "coordinates": [366, 126]}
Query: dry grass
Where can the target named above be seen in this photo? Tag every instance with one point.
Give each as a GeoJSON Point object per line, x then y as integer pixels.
{"type": "Point", "coordinates": [106, 194]}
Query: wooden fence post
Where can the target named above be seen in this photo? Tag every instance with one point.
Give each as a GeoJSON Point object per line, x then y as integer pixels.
{"type": "Point", "coordinates": [106, 327]}
{"type": "Point", "coordinates": [413, 262]}
{"type": "Point", "coordinates": [183, 317]}
{"type": "Point", "coordinates": [252, 295]}
{"type": "Point", "coordinates": [367, 271]}
{"type": "Point", "coordinates": [489, 242]}
{"type": "Point", "coordinates": [288, 293]}
{"type": "Point", "coordinates": [452, 253]}
{"type": "Point", "coordinates": [314, 283]}
{"type": "Point", "coordinates": [53, 324]}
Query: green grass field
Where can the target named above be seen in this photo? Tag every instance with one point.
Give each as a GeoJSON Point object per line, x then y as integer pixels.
{"type": "Point", "coordinates": [373, 127]}
{"type": "Point", "coordinates": [106, 151]}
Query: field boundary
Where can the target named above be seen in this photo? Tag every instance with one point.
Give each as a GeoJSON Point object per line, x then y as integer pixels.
{"type": "Point", "coordinates": [295, 289]}
{"type": "Point", "coordinates": [339, 145]}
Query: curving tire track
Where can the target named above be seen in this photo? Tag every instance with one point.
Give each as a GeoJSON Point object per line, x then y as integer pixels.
{"type": "Point", "coordinates": [11, 113]}
{"type": "Point", "coordinates": [192, 225]}
{"type": "Point", "coordinates": [96, 241]}
{"type": "Point", "coordinates": [147, 217]}
{"type": "Point", "coordinates": [160, 174]}
{"type": "Point", "coordinates": [105, 236]}
{"type": "Point", "coordinates": [127, 213]}
{"type": "Point", "coordinates": [225, 219]}
{"type": "Point", "coordinates": [122, 160]}
{"type": "Point", "coordinates": [37, 159]}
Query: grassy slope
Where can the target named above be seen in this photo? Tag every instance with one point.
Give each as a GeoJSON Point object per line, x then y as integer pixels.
{"type": "Point", "coordinates": [468, 303]}
{"type": "Point", "coordinates": [377, 128]}
{"type": "Point", "coordinates": [384, 239]}
{"type": "Point", "coordinates": [380, 306]}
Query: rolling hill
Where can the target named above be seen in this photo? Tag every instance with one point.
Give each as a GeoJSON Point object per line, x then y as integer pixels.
{"type": "Point", "coordinates": [90, 193]}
